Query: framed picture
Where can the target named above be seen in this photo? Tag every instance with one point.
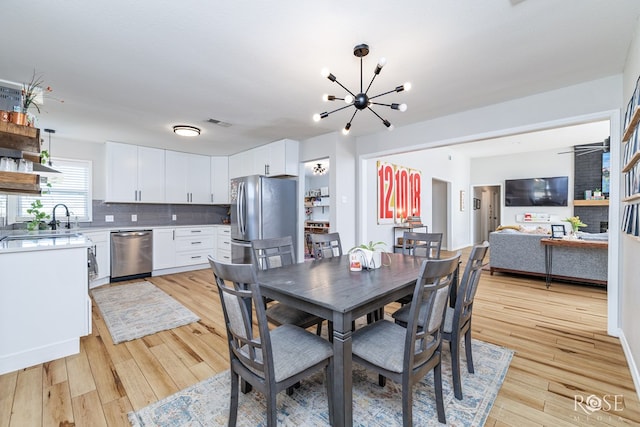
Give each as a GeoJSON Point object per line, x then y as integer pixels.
{"type": "Point", "coordinates": [557, 231]}
{"type": "Point", "coordinates": [462, 197]}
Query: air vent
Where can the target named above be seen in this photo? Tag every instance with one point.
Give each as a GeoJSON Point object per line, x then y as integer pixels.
{"type": "Point", "coordinates": [219, 123]}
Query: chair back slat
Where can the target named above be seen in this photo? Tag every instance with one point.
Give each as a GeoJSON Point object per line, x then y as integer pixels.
{"type": "Point", "coordinates": [240, 295]}
{"type": "Point", "coordinates": [273, 253]}
{"type": "Point", "coordinates": [425, 245]}
{"type": "Point", "coordinates": [426, 315]}
{"type": "Point", "coordinates": [327, 245]}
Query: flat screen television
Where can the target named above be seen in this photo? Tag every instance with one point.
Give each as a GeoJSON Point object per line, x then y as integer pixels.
{"type": "Point", "coordinates": [537, 191]}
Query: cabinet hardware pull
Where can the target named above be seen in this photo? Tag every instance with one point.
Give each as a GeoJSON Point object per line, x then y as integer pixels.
{"type": "Point", "coordinates": [196, 243]}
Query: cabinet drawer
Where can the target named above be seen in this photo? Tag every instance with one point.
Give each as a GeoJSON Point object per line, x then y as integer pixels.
{"type": "Point", "coordinates": [196, 231]}
{"type": "Point", "coordinates": [223, 256]}
{"type": "Point", "coordinates": [192, 258]}
{"type": "Point", "coordinates": [224, 245]}
{"type": "Point", "coordinates": [195, 244]}
{"type": "Point", "coordinates": [224, 232]}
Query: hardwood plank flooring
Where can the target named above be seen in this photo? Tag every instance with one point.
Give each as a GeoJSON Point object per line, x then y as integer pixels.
{"type": "Point", "coordinates": [558, 334]}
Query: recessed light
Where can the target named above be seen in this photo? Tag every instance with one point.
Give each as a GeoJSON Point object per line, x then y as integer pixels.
{"type": "Point", "coordinates": [185, 130]}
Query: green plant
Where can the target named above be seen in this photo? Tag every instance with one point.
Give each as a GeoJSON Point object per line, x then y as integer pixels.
{"type": "Point", "coordinates": [369, 246]}
{"type": "Point", "coordinates": [575, 222]}
{"type": "Point", "coordinates": [37, 223]}
{"type": "Point", "coordinates": [44, 157]}
{"type": "Point", "coordinates": [32, 90]}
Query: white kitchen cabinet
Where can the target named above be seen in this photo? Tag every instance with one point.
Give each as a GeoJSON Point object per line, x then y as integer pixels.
{"type": "Point", "coordinates": [45, 306]}
{"type": "Point", "coordinates": [223, 250]}
{"type": "Point", "coordinates": [194, 245]}
{"type": "Point", "coordinates": [219, 179]}
{"type": "Point", "coordinates": [241, 164]}
{"type": "Point", "coordinates": [102, 251]}
{"type": "Point", "coordinates": [187, 178]}
{"type": "Point", "coordinates": [181, 247]}
{"type": "Point", "coordinates": [275, 159]}
{"type": "Point", "coordinates": [164, 248]}
{"type": "Point", "coordinates": [134, 173]}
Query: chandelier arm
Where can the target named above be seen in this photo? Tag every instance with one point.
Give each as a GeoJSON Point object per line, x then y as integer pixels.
{"type": "Point", "coordinates": [354, 114]}
{"type": "Point", "coordinates": [338, 109]}
{"type": "Point", "coordinates": [382, 94]}
{"type": "Point", "coordinates": [379, 103]}
{"type": "Point", "coordinates": [377, 115]}
{"type": "Point", "coordinates": [342, 86]}
{"type": "Point", "coordinates": [370, 83]}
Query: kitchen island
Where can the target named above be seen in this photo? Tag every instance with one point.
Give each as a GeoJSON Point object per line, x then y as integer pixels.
{"type": "Point", "coordinates": [44, 298]}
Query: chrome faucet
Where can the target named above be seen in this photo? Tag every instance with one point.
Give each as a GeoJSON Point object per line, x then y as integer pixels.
{"type": "Point", "coordinates": [54, 223]}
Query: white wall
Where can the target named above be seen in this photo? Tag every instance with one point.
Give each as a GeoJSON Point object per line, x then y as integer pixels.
{"type": "Point", "coordinates": [494, 170]}
{"type": "Point", "coordinates": [437, 163]}
{"type": "Point", "coordinates": [630, 247]}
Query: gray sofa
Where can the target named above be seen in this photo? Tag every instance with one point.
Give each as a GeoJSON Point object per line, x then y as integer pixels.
{"type": "Point", "coordinates": [516, 252]}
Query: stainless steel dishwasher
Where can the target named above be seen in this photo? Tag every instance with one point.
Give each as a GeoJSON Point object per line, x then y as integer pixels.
{"type": "Point", "coordinates": [131, 254]}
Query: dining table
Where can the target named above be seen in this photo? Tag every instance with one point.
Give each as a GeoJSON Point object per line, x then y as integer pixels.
{"type": "Point", "coordinates": [329, 289]}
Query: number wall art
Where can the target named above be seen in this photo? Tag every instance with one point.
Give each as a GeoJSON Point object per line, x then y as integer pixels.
{"type": "Point", "coordinates": [399, 190]}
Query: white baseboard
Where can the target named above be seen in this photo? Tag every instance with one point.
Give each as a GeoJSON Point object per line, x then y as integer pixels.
{"type": "Point", "coordinates": [633, 367]}
{"type": "Point", "coordinates": [34, 356]}
{"type": "Point", "coordinates": [179, 269]}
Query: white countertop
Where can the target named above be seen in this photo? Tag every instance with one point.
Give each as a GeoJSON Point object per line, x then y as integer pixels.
{"type": "Point", "coordinates": [66, 239]}
{"type": "Point", "coordinates": [41, 243]}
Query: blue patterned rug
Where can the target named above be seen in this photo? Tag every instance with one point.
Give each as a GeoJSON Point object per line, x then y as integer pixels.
{"type": "Point", "coordinates": [207, 403]}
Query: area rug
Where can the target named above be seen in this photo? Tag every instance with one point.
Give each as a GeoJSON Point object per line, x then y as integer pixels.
{"type": "Point", "coordinates": [137, 309]}
{"type": "Point", "coordinates": [207, 403]}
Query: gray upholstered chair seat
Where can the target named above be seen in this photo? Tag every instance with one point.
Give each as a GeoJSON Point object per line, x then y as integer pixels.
{"type": "Point", "coordinates": [282, 314]}
{"type": "Point", "coordinates": [382, 344]}
{"type": "Point", "coordinates": [311, 350]}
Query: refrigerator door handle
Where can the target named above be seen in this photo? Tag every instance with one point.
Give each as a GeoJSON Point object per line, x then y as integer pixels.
{"type": "Point", "coordinates": [241, 209]}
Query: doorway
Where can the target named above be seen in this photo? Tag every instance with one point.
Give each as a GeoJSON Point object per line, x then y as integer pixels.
{"type": "Point", "coordinates": [486, 211]}
{"type": "Point", "coordinates": [317, 201]}
{"type": "Point", "coordinates": [440, 210]}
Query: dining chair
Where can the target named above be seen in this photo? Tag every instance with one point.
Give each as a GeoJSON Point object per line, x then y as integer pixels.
{"type": "Point", "coordinates": [326, 245]}
{"type": "Point", "coordinates": [269, 360]}
{"type": "Point", "coordinates": [424, 245]}
{"type": "Point", "coordinates": [274, 253]}
{"type": "Point", "coordinates": [457, 321]}
{"type": "Point", "coordinates": [406, 355]}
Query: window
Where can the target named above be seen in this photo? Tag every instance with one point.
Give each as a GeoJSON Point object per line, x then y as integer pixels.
{"type": "Point", "coordinates": [72, 187]}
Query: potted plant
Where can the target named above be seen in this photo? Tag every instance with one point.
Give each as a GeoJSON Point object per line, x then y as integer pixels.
{"type": "Point", "coordinates": [370, 253]}
{"type": "Point", "coordinates": [39, 216]}
{"type": "Point", "coordinates": [576, 223]}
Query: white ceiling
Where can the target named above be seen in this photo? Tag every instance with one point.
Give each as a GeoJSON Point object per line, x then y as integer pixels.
{"type": "Point", "coordinates": [129, 70]}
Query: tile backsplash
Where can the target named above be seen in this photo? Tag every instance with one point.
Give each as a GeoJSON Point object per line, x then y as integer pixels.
{"type": "Point", "coordinates": [154, 214]}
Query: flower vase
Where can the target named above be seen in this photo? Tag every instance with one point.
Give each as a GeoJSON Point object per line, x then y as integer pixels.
{"type": "Point", "coordinates": [18, 118]}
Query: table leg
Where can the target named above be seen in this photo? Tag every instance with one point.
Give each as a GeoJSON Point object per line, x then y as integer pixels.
{"type": "Point", "coordinates": [547, 264]}
{"type": "Point", "coordinates": [342, 370]}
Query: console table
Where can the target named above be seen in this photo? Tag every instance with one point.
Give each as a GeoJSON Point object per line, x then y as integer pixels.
{"type": "Point", "coordinates": [571, 243]}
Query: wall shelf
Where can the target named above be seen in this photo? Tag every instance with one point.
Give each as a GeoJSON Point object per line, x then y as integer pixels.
{"type": "Point", "coordinates": [631, 163]}
{"type": "Point", "coordinates": [635, 118]}
{"type": "Point", "coordinates": [603, 202]}
{"type": "Point", "coordinates": [22, 139]}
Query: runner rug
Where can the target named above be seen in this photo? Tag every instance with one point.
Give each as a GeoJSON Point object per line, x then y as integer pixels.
{"type": "Point", "coordinates": [137, 309]}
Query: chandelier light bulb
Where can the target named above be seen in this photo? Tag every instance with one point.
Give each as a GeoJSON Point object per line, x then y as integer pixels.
{"type": "Point", "coordinates": [348, 99]}
{"type": "Point", "coordinates": [407, 86]}
{"type": "Point", "coordinates": [345, 131]}
{"type": "Point", "coordinates": [325, 97]}
{"type": "Point", "coordinates": [325, 72]}
{"type": "Point", "coordinates": [382, 62]}
{"type": "Point", "coordinates": [402, 108]}
{"type": "Point", "coordinates": [316, 117]}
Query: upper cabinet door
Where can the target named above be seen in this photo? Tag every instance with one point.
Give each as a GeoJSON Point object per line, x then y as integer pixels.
{"type": "Point", "coordinates": [220, 180]}
{"type": "Point", "coordinates": [177, 165]}
{"type": "Point", "coordinates": [188, 178]}
{"type": "Point", "coordinates": [283, 158]}
{"type": "Point", "coordinates": [122, 172]}
{"type": "Point", "coordinates": [151, 167]}
{"type": "Point", "coordinates": [199, 179]}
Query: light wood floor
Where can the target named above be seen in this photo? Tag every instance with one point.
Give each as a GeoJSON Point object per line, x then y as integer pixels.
{"type": "Point", "coordinates": [559, 337]}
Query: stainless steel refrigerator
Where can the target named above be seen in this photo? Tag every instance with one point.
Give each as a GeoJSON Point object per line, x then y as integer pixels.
{"type": "Point", "coordinates": [261, 208]}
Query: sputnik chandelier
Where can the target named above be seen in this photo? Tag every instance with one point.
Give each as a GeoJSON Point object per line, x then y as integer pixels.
{"type": "Point", "coordinates": [319, 169]}
{"type": "Point", "coordinates": [362, 100]}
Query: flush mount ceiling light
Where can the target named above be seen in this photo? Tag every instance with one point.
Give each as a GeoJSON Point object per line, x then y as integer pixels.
{"type": "Point", "coordinates": [185, 130]}
{"type": "Point", "coordinates": [362, 100]}
{"type": "Point", "coordinates": [319, 169]}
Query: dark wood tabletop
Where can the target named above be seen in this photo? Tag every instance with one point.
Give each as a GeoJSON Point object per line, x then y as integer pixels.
{"type": "Point", "coordinates": [576, 243]}
{"type": "Point", "coordinates": [327, 288]}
